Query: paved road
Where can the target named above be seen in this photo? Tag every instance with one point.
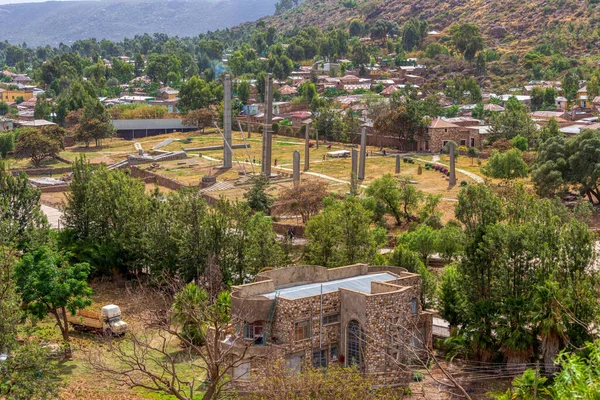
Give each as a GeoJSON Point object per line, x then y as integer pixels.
{"type": "Point", "coordinates": [54, 216]}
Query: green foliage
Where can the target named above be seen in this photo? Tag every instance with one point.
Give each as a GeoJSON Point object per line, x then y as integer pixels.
{"type": "Point", "coordinates": [188, 303]}
{"type": "Point", "coordinates": [572, 161]}
{"type": "Point", "coordinates": [22, 223]}
{"type": "Point", "coordinates": [257, 198]}
{"type": "Point", "coordinates": [38, 144]}
{"type": "Point", "coordinates": [520, 142]}
{"type": "Point", "coordinates": [434, 49]}
{"type": "Point", "coordinates": [7, 143]}
{"type": "Point", "coordinates": [406, 258]}
{"type": "Point", "coordinates": [342, 235]}
{"type": "Point", "coordinates": [507, 165]}
{"type": "Point", "coordinates": [451, 299]}
{"type": "Point", "coordinates": [457, 87]}
{"type": "Point", "coordinates": [514, 121]}
{"type": "Point", "coordinates": [28, 374]}
{"type": "Point", "coordinates": [422, 240]}
{"type": "Point", "coordinates": [196, 93]}
{"type": "Point", "coordinates": [49, 284]}
{"type": "Point", "coordinates": [467, 39]}
{"type": "Point", "coordinates": [541, 243]}
{"type": "Point", "coordinates": [387, 191]}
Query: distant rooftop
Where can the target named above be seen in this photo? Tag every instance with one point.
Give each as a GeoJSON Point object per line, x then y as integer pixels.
{"type": "Point", "coordinates": [360, 283]}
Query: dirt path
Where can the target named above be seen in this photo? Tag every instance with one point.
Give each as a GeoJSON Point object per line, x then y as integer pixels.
{"type": "Point", "coordinates": [435, 159]}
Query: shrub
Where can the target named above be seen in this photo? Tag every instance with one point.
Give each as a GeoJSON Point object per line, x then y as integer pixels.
{"type": "Point", "coordinates": [463, 183]}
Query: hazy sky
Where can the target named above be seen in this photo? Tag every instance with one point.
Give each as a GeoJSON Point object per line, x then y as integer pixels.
{"type": "Point", "coordinates": [23, 1]}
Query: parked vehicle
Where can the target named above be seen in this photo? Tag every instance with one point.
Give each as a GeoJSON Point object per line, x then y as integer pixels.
{"type": "Point", "coordinates": [107, 321]}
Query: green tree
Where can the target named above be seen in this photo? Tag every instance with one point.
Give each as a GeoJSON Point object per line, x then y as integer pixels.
{"type": "Point", "coordinates": [6, 143]}
{"type": "Point", "coordinates": [473, 153]}
{"type": "Point", "coordinates": [410, 198]}
{"type": "Point", "coordinates": [196, 93]}
{"type": "Point", "coordinates": [570, 85]}
{"type": "Point", "coordinates": [263, 249]}
{"type": "Point", "coordinates": [28, 373]}
{"type": "Point", "coordinates": [185, 306]}
{"type": "Point", "coordinates": [22, 223]}
{"type": "Point", "coordinates": [452, 305]}
{"type": "Point", "coordinates": [49, 284]}
{"type": "Point", "coordinates": [406, 258]}
{"type": "Point", "coordinates": [552, 129]}
{"type": "Point", "coordinates": [35, 144]}
{"type": "Point", "coordinates": [515, 120]}
{"type": "Point", "coordinates": [257, 197]}
{"type": "Point", "coordinates": [467, 39]}
{"type": "Point", "coordinates": [387, 191]}
{"type": "Point", "coordinates": [507, 165]}
{"type": "Point", "coordinates": [562, 162]}
{"type": "Point", "coordinates": [520, 142]}
{"type": "Point", "coordinates": [423, 240]}
{"type": "Point", "coordinates": [360, 55]}
{"type": "Point", "coordinates": [450, 241]}
{"type": "Point", "coordinates": [342, 235]}
{"type": "Point", "coordinates": [243, 91]}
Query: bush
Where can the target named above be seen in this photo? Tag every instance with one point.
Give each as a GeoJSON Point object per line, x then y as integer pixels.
{"type": "Point", "coordinates": [463, 183]}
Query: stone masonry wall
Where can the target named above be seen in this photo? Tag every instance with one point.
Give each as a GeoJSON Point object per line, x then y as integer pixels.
{"type": "Point", "coordinates": [308, 308]}
{"type": "Point", "coordinates": [387, 342]}
{"type": "Point", "coordinates": [437, 136]}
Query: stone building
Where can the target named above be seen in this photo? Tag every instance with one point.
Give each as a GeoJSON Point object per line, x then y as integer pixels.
{"type": "Point", "coordinates": [367, 316]}
{"type": "Point", "coordinates": [440, 131]}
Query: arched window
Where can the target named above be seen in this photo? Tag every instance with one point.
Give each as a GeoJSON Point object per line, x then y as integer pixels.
{"type": "Point", "coordinates": [354, 344]}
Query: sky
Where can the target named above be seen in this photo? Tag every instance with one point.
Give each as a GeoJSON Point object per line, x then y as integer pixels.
{"type": "Point", "coordinates": [2, 2]}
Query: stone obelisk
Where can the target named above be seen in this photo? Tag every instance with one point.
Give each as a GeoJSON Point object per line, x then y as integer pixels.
{"type": "Point", "coordinates": [397, 163]}
{"type": "Point", "coordinates": [296, 168]}
{"type": "Point", "coordinates": [363, 154]}
{"type": "Point", "coordinates": [307, 147]}
{"type": "Point", "coordinates": [267, 127]}
{"type": "Point", "coordinates": [452, 164]}
{"type": "Point", "coordinates": [227, 156]}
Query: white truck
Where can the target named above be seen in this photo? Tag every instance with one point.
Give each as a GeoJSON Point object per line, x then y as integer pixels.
{"type": "Point", "coordinates": [107, 321]}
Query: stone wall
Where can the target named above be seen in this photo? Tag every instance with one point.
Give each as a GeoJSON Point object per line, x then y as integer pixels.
{"type": "Point", "coordinates": [389, 326]}
{"type": "Point", "coordinates": [54, 189]}
{"type": "Point", "coordinates": [43, 171]}
{"type": "Point", "coordinates": [437, 136]}
{"type": "Point", "coordinates": [151, 177]}
{"type": "Point", "coordinates": [289, 312]}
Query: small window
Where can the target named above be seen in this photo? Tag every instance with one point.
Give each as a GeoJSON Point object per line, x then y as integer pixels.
{"type": "Point", "coordinates": [301, 330]}
{"type": "Point", "coordinates": [331, 319]}
{"type": "Point", "coordinates": [334, 353]}
{"type": "Point", "coordinates": [463, 142]}
{"type": "Point", "coordinates": [446, 130]}
{"type": "Point", "coordinates": [413, 306]}
{"type": "Point", "coordinates": [320, 358]}
{"type": "Point", "coordinates": [242, 371]}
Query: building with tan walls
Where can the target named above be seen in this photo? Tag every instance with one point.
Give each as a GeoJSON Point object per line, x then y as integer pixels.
{"type": "Point", "coordinates": [367, 316]}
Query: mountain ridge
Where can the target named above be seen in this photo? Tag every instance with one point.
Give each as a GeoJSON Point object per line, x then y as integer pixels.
{"type": "Point", "coordinates": [50, 23]}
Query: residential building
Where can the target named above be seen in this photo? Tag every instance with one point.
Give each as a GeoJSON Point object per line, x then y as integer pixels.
{"type": "Point", "coordinates": [367, 316]}
{"type": "Point", "coordinates": [7, 95]}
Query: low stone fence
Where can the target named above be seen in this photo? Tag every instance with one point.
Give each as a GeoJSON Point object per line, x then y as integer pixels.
{"type": "Point", "coordinates": [151, 177]}
{"type": "Point", "coordinates": [43, 171]}
{"type": "Point", "coordinates": [55, 188]}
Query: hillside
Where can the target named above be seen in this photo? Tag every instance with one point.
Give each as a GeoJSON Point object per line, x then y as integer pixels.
{"type": "Point", "coordinates": [511, 24]}
{"type": "Point", "coordinates": [55, 22]}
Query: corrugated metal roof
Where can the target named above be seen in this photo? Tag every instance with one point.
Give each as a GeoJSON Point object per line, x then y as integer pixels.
{"type": "Point", "coordinates": [360, 283]}
{"type": "Point", "coordinates": [129, 124]}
